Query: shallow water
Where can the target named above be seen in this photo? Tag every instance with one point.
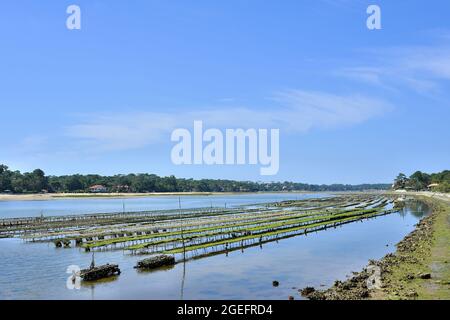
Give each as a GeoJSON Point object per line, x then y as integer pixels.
{"type": "Point", "coordinates": [38, 271]}
{"type": "Point", "coordinates": [14, 209]}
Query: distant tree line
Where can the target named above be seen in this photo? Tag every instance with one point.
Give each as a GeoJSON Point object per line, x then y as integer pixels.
{"type": "Point", "coordinates": [419, 181]}
{"type": "Point", "coordinates": [37, 181]}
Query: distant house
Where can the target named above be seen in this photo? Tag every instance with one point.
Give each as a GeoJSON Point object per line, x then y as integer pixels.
{"type": "Point", "coordinates": [433, 185]}
{"type": "Point", "coordinates": [98, 189]}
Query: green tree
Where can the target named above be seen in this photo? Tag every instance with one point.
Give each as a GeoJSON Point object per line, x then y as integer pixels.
{"type": "Point", "coordinates": [5, 178]}
{"type": "Point", "coordinates": [37, 181]}
{"type": "Point", "coordinates": [401, 181]}
{"type": "Point", "coordinates": [74, 184]}
{"type": "Point", "coordinates": [419, 180]}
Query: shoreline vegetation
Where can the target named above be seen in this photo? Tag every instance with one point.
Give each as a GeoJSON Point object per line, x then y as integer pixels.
{"type": "Point", "coordinates": [419, 269]}
{"type": "Point", "coordinates": [85, 195]}
{"type": "Point", "coordinates": [37, 182]}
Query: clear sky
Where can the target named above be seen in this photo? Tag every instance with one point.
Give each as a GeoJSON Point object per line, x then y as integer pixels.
{"type": "Point", "coordinates": [353, 105]}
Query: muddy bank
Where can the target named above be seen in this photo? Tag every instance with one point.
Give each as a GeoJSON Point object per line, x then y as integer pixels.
{"type": "Point", "coordinates": [407, 273]}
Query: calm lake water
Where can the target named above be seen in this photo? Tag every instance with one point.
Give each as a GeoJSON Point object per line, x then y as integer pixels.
{"type": "Point", "coordinates": [14, 209]}
{"type": "Point", "coordinates": [38, 271]}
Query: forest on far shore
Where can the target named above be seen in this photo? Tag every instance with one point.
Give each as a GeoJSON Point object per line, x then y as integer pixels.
{"type": "Point", "coordinates": [419, 181]}
{"type": "Point", "coordinates": [37, 182]}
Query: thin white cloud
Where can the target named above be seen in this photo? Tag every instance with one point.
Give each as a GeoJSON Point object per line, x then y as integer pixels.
{"type": "Point", "coordinates": [121, 131]}
{"type": "Point", "coordinates": [309, 110]}
{"type": "Point", "coordinates": [371, 75]}
{"type": "Point", "coordinates": [424, 69]}
{"type": "Point", "coordinates": [296, 111]}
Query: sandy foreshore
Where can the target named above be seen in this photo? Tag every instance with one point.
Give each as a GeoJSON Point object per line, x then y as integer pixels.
{"type": "Point", "coordinates": [55, 196]}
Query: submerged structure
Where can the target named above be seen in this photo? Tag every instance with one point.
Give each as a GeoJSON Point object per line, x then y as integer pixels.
{"type": "Point", "coordinates": [97, 273]}
{"type": "Point", "coordinates": [100, 272]}
{"type": "Point", "coordinates": [156, 262]}
{"type": "Point", "coordinates": [193, 233]}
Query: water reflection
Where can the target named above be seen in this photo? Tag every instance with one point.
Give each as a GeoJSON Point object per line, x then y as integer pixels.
{"type": "Point", "coordinates": [150, 271]}
{"type": "Point", "coordinates": [37, 271]}
{"type": "Point", "coordinates": [416, 208]}
{"type": "Point", "coordinates": [183, 279]}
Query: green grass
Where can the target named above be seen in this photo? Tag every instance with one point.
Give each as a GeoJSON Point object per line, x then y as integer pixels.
{"type": "Point", "coordinates": [428, 254]}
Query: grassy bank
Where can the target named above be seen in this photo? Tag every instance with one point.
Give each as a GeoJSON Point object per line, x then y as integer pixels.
{"type": "Point", "coordinates": [419, 269]}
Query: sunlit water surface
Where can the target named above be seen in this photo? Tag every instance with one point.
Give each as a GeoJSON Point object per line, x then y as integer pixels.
{"type": "Point", "coordinates": [38, 271]}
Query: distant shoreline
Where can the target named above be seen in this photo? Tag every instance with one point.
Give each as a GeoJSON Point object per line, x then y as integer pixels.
{"type": "Point", "coordinates": [56, 196]}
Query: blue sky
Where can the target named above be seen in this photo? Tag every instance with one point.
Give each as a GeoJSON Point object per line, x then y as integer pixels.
{"type": "Point", "coordinates": [352, 105]}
